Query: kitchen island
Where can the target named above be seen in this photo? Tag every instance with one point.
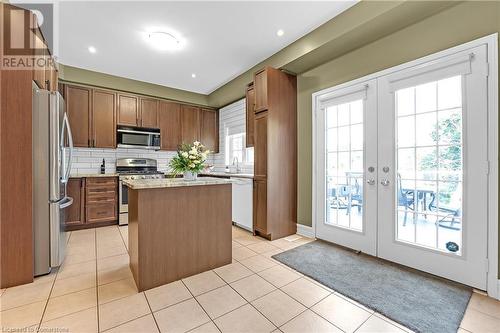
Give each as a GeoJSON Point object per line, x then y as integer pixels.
{"type": "Point", "coordinates": [177, 228]}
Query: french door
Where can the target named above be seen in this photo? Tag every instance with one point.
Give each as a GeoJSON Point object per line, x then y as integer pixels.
{"type": "Point", "coordinates": [401, 166]}
{"type": "Point", "coordinates": [348, 207]}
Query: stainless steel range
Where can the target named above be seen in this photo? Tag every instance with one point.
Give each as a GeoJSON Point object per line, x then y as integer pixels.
{"type": "Point", "coordinates": [134, 168]}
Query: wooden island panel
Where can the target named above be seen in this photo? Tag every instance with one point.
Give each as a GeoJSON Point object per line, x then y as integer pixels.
{"type": "Point", "coordinates": [176, 232]}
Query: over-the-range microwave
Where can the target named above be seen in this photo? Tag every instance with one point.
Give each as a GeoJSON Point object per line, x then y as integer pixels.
{"type": "Point", "coordinates": [138, 137]}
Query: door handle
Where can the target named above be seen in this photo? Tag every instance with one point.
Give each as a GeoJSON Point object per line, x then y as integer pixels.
{"type": "Point", "coordinates": [385, 182]}
{"type": "Point", "coordinates": [370, 181]}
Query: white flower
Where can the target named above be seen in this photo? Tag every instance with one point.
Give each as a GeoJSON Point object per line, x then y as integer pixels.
{"type": "Point", "coordinates": [192, 157]}
{"type": "Point", "coordinates": [192, 165]}
{"type": "Point", "coordinates": [196, 143]}
{"type": "Point", "coordinates": [184, 154]}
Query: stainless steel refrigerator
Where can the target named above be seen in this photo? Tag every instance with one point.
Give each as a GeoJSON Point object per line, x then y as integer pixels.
{"type": "Point", "coordinates": [52, 157]}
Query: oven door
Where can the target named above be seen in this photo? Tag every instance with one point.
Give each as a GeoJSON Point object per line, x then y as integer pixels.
{"type": "Point", "coordinates": [138, 138]}
{"type": "Point", "coordinates": [123, 198]}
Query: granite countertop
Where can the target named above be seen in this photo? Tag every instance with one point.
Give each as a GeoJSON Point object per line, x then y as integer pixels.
{"type": "Point", "coordinates": [227, 174]}
{"type": "Point", "coordinates": [140, 184]}
{"type": "Point", "coordinates": [91, 175]}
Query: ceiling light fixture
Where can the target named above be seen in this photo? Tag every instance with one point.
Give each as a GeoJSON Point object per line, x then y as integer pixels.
{"type": "Point", "coordinates": [92, 49]}
{"type": "Point", "coordinates": [193, 75]}
{"type": "Point", "coordinates": [164, 41]}
{"type": "Point", "coordinates": [280, 32]}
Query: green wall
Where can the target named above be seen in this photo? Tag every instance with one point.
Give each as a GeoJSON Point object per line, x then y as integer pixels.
{"type": "Point", "coordinates": [454, 26]}
{"type": "Point", "coordinates": [83, 76]}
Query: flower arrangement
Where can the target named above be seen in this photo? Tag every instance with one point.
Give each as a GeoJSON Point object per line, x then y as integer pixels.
{"type": "Point", "coordinates": [190, 160]}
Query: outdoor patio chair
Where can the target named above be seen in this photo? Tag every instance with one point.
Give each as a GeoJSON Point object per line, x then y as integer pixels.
{"type": "Point", "coordinates": [450, 220]}
{"type": "Point", "coordinates": [339, 197]}
{"type": "Point", "coordinates": [406, 199]}
{"type": "Point", "coordinates": [356, 195]}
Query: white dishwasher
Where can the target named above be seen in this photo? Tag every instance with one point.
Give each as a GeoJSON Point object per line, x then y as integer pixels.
{"type": "Point", "coordinates": [243, 202]}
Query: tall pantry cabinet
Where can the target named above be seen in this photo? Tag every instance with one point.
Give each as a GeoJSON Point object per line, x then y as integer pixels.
{"type": "Point", "coordinates": [275, 149]}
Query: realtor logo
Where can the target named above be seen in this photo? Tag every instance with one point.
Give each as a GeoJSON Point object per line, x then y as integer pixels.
{"type": "Point", "coordinates": [27, 33]}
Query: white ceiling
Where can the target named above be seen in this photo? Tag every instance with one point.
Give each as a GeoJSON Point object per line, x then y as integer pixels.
{"type": "Point", "coordinates": [223, 39]}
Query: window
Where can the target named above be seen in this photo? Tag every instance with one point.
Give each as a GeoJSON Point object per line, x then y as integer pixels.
{"type": "Point", "coordinates": [235, 148]}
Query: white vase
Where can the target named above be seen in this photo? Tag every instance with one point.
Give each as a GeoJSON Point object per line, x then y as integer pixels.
{"type": "Point", "coordinates": [188, 175]}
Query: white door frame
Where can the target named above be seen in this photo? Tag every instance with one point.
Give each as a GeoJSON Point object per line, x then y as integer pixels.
{"type": "Point", "coordinates": [493, 283]}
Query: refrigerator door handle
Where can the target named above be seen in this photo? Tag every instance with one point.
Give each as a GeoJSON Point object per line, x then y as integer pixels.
{"type": "Point", "coordinates": [70, 141]}
{"type": "Point", "coordinates": [66, 202]}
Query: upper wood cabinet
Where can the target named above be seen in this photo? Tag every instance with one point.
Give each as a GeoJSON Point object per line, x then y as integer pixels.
{"type": "Point", "coordinates": [250, 115]}
{"type": "Point", "coordinates": [78, 105]}
{"type": "Point", "coordinates": [261, 92]}
{"type": "Point", "coordinates": [94, 114]}
{"type": "Point", "coordinates": [260, 147]}
{"type": "Point", "coordinates": [209, 129]}
{"type": "Point", "coordinates": [190, 124]}
{"type": "Point", "coordinates": [103, 119]}
{"type": "Point", "coordinates": [39, 51]}
{"type": "Point", "coordinates": [148, 113]}
{"type": "Point", "coordinates": [44, 73]}
{"type": "Point", "coordinates": [169, 115]}
{"type": "Point", "coordinates": [128, 110]}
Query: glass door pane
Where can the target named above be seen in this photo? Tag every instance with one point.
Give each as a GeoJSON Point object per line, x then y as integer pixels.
{"type": "Point", "coordinates": [344, 165]}
{"type": "Point", "coordinates": [429, 161]}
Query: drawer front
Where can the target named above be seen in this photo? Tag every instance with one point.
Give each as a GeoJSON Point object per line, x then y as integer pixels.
{"type": "Point", "coordinates": [102, 181]}
{"type": "Point", "coordinates": [99, 196]}
{"type": "Point", "coordinates": [101, 212]}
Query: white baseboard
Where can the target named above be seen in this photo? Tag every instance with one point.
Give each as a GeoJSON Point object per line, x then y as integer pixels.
{"type": "Point", "coordinates": [305, 231]}
{"type": "Point", "coordinates": [497, 296]}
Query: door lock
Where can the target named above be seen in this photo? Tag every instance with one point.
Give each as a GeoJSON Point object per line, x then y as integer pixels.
{"type": "Point", "coordinates": [385, 182]}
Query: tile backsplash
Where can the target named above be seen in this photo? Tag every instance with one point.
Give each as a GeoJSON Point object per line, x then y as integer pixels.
{"type": "Point", "coordinates": [88, 160]}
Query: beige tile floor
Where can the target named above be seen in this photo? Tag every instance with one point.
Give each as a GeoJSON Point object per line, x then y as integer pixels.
{"type": "Point", "coordinates": [94, 292]}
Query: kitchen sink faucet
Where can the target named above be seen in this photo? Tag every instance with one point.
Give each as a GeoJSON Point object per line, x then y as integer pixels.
{"type": "Point", "coordinates": [237, 164]}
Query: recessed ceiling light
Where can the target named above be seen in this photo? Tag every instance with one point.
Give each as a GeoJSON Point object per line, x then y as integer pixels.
{"type": "Point", "coordinates": [92, 49]}
{"type": "Point", "coordinates": [280, 32]}
{"type": "Point", "coordinates": [193, 75]}
{"type": "Point", "coordinates": [164, 41]}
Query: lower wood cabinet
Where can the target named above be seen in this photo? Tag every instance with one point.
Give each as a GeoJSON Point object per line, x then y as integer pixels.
{"type": "Point", "coordinates": [260, 207]}
{"type": "Point", "coordinates": [95, 202]}
{"type": "Point", "coordinates": [75, 214]}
